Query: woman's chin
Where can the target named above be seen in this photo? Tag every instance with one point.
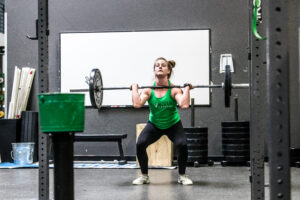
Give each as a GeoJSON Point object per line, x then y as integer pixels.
{"type": "Point", "coordinates": [161, 75]}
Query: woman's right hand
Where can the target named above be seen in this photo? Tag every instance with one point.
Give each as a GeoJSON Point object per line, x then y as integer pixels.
{"type": "Point", "coordinates": [139, 99]}
{"type": "Point", "coordinates": [134, 86]}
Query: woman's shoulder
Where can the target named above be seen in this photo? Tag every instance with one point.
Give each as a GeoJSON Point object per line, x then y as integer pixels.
{"type": "Point", "coordinates": [175, 90]}
{"type": "Point", "coordinates": [172, 84]}
{"type": "Point", "coordinates": [147, 90]}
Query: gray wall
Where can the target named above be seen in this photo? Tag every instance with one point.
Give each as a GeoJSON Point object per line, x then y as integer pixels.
{"type": "Point", "coordinates": [228, 21]}
{"type": "Point", "coordinates": [294, 10]}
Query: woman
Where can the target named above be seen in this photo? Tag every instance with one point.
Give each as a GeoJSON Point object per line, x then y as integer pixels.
{"type": "Point", "coordinates": [164, 118]}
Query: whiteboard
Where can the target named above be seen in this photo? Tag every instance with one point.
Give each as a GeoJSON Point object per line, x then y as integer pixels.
{"type": "Point", "coordinates": [125, 58]}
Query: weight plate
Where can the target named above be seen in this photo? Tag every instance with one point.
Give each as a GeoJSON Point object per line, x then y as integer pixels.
{"type": "Point", "coordinates": [196, 130]}
{"type": "Point", "coordinates": [202, 153]}
{"type": "Point", "coordinates": [235, 129]}
{"type": "Point", "coordinates": [235, 124]}
{"type": "Point", "coordinates": [227, 86]}
{"type": "Point", "coordinates": [292, 159]}
{"type": "Point", "coordinates": [236, 147]}
{"type": "Point", "coordinates": [196, 141]}
{"type": "Point", "coordinates": [235, 135]}
{"type": "Point", "coordinates": [235, 141]}
{"type": "Point", "coordinates": [295, 152]}
{"type": "Point", "coordinates": [196, 135]}
{"type": "Point", "coordinates": [95, 88]}
{"type": "Point", "coordinates": [236, 153]}
{"type": "Point", "coordinates": [237, 158]}
{"type": "Point", "coordinates": [197, 147]}
{"type": "Point", "coordinates": [197, 158]}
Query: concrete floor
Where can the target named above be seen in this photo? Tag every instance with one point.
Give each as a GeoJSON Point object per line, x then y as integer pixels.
{"type": "Point", "coordinates": [210, 183]}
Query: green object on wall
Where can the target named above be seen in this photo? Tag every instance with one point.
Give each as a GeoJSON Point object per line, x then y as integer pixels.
{"type": "Point", "coordinates": [61, 112]}
{"type": "Point", "coordinates": [254, 22]}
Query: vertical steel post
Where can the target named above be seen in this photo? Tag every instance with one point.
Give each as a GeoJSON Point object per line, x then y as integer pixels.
{"type": "Point", "coordinates": [43, 79]}
{"type": "Point", "coordinates": [192, 112]}
{"type": "Point", "coordinates": [63, 165]}
{"type": "Point", "coordinates": [278, 99]}
{"type": "Point", "coordinates": [236, 109]}
{"type": "Point", "coordinates": [257, 64]}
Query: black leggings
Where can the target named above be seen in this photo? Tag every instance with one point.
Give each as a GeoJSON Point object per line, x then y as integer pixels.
{"type": "Point", "coordinates": [150, 134]}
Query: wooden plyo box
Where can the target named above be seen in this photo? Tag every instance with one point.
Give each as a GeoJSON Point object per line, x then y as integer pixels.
{"type": "Point", "coordinates": [160, 153]}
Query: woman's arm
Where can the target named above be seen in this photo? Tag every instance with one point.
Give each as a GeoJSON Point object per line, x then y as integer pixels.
{"type": "Point", "coordinates": [138, 100]}
{"type": "Point", "coordinates": [183, 97]}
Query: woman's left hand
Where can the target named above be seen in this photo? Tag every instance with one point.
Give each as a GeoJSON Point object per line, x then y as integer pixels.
{"type": "Point", "coordinates": [188, 85]}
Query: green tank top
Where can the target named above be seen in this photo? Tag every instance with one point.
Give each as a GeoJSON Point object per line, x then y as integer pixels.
{"type": "Point", "coordinates": [163, 110]}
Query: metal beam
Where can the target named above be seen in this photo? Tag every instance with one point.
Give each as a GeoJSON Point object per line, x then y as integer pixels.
{"type": "Point", "coordinates": [43, 79]}
{"type": "Point", "coordinates": [257, 59]}
{"type": "Point", "coordinates": [278, 99]}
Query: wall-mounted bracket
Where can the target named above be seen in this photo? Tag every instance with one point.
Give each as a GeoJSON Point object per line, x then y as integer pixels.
{"type": "Point", "coordinates": [36, 32]}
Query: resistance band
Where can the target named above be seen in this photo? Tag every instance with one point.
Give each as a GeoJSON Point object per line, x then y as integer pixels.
{"type": "Point", "coordinates": [254, 22]}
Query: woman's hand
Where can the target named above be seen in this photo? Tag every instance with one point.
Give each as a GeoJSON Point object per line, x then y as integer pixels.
{"type": "Point", "coordinates": [183, 97]}
{"type": "Point", "coordinates": [188, 85]}
{"type": "Point", "coordinates": [138, 100]}
{"type": "Point", "coordinates": [134, 87]}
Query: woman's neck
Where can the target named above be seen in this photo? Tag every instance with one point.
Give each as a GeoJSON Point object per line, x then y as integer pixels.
{"type": "Point", "coordinates": [162, 81]}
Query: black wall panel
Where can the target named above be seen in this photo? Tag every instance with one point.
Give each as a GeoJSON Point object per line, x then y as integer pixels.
{"type": "Point", "coordinates": [228, 21]}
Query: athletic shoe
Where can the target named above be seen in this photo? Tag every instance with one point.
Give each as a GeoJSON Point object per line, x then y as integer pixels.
{"type": "Point", "coordinates": [184, 180]}
{"type": "Point", "coordinates": [143, 179]}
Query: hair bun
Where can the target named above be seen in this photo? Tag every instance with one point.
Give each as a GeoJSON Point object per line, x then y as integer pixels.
{"type": "Point", "coordinates": [172, 63]}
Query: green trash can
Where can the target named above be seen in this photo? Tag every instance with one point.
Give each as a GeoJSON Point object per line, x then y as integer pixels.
{"type": "Point", "coordinates": [61, 112]}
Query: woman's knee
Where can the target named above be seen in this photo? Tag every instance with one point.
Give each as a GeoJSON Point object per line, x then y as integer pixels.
{"type": "Point", "coordinates": [181, 144]}
{"type": "Point", "coordinates": [141, 145]}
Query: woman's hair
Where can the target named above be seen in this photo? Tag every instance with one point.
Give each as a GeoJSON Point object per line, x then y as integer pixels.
{"type": "Point", "coordinates": [171, 64]}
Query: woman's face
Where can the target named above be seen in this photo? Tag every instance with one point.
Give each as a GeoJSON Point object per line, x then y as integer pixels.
{"type": "Point", "coordinates": [161, 68]}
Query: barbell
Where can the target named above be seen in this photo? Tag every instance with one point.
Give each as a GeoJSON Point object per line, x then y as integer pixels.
{"type": "Point", "coordinates": [96, 87]}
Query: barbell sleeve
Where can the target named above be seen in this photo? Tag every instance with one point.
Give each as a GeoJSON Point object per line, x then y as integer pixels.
{"type": "Point", "coordinates": [79, 90]}
{"type": "Point", "coordinates": [239, 85]}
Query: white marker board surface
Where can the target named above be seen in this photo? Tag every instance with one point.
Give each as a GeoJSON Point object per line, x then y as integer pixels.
{"type": "Point", "coordinates": [128, 57]}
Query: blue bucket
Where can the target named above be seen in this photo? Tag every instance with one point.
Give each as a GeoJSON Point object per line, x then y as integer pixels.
{"type": "Point", "coordinates": [22, 153]}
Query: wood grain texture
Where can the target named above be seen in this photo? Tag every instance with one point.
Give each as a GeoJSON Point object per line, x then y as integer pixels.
{"type": "Point", "coordinates": [160, 153]}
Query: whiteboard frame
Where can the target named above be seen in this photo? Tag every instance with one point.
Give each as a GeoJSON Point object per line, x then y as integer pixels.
{"type": "Point", "coordinates": [126, 31]}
